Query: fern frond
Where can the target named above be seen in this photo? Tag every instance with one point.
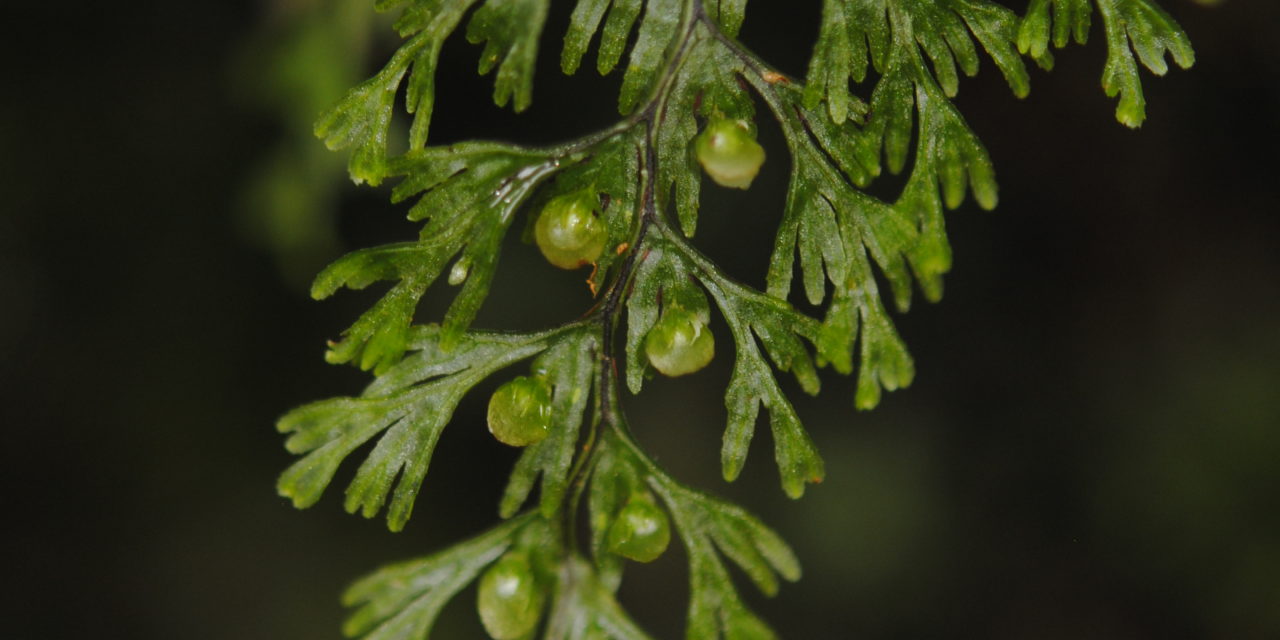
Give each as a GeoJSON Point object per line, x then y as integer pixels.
{"type": "Point", "coordinates": [583, 25]}
{"type": "Point", "coordinates": [707, 85]}
{"type": "Point", "coordinates": [654, 39]}
{"type": "Point", "coordinates": [656, 35]}
{"type": "Point", "coordinates": [610, 170]}
{"type": "Point", "coordinates": [656, 270]}
{"type": "Point", "coordinates": [834, 227]}
{"type": "Point", "coordinates": [858, 33]}
{"type": "Point", "coordinates": [685, 72]}
{"type": "Point", "coordinates": [1138, 26]}
{"type": "Point", "coordinates": [779, 327]}
{"type": "Point", "coordinates": [617, 30]}
{"type": "Point", "coordinates": [402, 601]}
{"type": "Point", "coordinates": [469, 194]}
{"type": "Point", "coordinates": [706, 526]}
{"type": "Point", "coordinates": [585, 608]}
{"type": "Point", "coordinates": [570, 367]}
{"type": "Point", "coordinates": [510, 30]}
{"type": "Point", "coordinates": [679, 181]}
{"type": "Point", "coordinates": [727, 14]}
{"type": "Point", "coordinates": [363, 117]}
{"type": "Point", "coordinates": [1070, 21]}
{"type": "Point", "coordinates": [409, 405]}
{"type": "Point", "coordinates": [712, 530]}
{"type": "Point", "coordinates": [1130, 26]}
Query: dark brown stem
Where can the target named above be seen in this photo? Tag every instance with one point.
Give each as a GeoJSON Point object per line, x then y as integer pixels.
{"type": "Point", "coordinates": [609, 311]}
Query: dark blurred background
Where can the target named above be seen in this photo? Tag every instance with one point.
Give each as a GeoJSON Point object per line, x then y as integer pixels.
{"type": "Point", "coordinates": [1091, 448]}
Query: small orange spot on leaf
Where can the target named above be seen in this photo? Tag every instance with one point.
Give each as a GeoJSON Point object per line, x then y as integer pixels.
{"type": "Point", "coordinates": [591, 279]}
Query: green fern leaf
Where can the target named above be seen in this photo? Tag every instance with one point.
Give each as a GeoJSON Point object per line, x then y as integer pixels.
{"type": "Point", "coordinates": [657, 32]}
{"type": "Point", "coordinates": [614, 478]}
{"type": "Point", "coordinates": [834, 228]}
{"type": "Point", "coordinates": [854, 31]}
{"type": "Point", "coordinates": [751, 314]}
{"type": "Point", "coordinates": [837, 57]}
{"type": "Point", "coordinates": [821, 208]}
{"type": "Point", "coordinates": [569, 364]}
{"type": "Point", "coordinates": [402, 601]}
{"type": "Point", "coordinates": [949, 161]}
{"type": "Point", "coordinates": [1070, 21]}
{"type": "Point", "coordinates": [1137, 26]}
{"type": "Point", "coordinates": [996, 29]}
{"type": "Point", "coordinates": [684, 70]}
{"type": "Point", "coordinates": [854, 35]}
{"type": "Point", "coordinates": [436, 20]}
{"type": "Point", "coordinates": [705, 525]}
{"type": "Point", "coordinates": [709, 86]}
{"type": "Point", "coordinates": [883, 358]}
{"type": "Point", "coordinates": [657, 269]}
{"type": "Point", "coordinates": [679, 180]}
{"type": "Point", "coordinates": [583, 24]}
{"type": "Point", "coordinates": [510, 30]}
{"type": "Point", "coordinates": [727, 14]}
{"type": "Point", "coordinates": [363, 117]}
{"type": "Point", "coordinates": [459, 181]}
{"type": "Point", "coordinates": [617, 28]}
{"type": "Point", "coordinates": [469, 194]}
{"type": "Point", "coordinates": [751, 385]}
{"type": "Point", "coordinates": [609, 170]}
{"type": "Point", "coordinates": [378, 339]}
{"type": "Point", "coordinates": [584, 608]}
{"type": "Point", "coordinates": [410, 405]}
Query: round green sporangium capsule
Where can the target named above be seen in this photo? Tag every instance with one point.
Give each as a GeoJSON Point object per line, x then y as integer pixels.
{"type": "Point", "coordinates": [729, 153]}
{"type": "Point", "coordinates": [679, 343]}
{"type": "Point", "coordinates": [520, 411]}
{"type": "Point", "coordinates": [508, 599]}
{"type": "Point", "coordinates": [641, 531]}
{"type": "Point", "coordinates": [568, 232]}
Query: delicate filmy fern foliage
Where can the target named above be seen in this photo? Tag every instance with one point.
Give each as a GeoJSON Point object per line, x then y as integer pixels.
{"type": "Point", "coordinates": [625, 202]}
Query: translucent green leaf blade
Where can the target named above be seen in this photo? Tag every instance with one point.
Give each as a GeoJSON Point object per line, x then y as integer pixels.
{"type": "Point", "coordinates": [657, 31]}
{"type": "Point", "coordinates": [510, 30]}
{"type": "Point", "coordinates": [996, 28]}
{"type": "Point", "coordinates": [729, 14]}
{"type": "Point", "coordinates": [410, 405]}
{"type": "Point", "coordinates": [779, 327]}
{"type": "Point", "coordinates": [582, 26]}
{"type": "Point", "coordinates": [656, 270]}
{"type": "Point", "coordinates": [1138, 26]}
{"type": "Point", "coordinates": [617, 27]}
{"type": "Point", "coordinates": [705, 525]}
{"type": "Point", "coordinates": [569, 364]}
{"type": "Point", "coordinates": [402, 601]}
{"type": "Point", "coordinates": [328, 431]}
{"type": "Point", "coordinates": [585, 609]}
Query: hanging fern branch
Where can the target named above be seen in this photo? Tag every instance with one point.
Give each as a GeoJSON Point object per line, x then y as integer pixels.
{"type": "Point", "coordinates": [625, 202]}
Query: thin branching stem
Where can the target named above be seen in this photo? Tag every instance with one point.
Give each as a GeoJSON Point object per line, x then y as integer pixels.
{"type": "Point", "coordinates": [609, 312]}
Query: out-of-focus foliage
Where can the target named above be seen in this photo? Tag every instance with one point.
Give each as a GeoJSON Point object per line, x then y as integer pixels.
{"type": "Point", "coordinates": [302, 57]}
